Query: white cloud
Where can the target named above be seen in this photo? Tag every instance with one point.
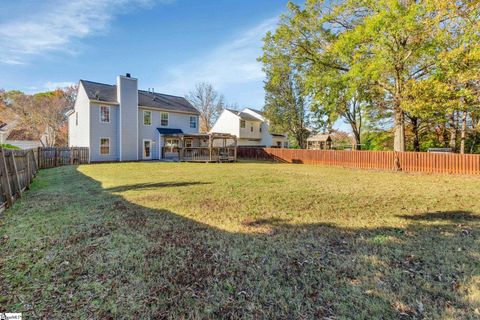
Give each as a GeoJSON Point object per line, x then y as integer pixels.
{"type": "Point", "coordinates": [233, 63]}
{"type": "Point", "coordinates": [57, 85]}
{"type": "Point", "coordinates": [56, 24]}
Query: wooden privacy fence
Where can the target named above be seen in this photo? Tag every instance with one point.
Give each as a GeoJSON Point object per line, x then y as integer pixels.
{"type": "Point", "coordinates": [17, 169]}
{"type": "Point", "coordinates": [384, 160]}
{"type": "Point", "coordinates": [54, 157]}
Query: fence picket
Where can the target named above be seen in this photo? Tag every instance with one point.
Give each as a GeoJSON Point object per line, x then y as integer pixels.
{"type": "Point", "coordinates": [386, 160]}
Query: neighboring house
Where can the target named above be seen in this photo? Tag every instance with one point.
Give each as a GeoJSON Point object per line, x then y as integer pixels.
{"type": "Point", "coordinates": [20, 138]}
{"type": "Point", "coordinates": [121, 123]}
{"type": "Point", "coordinates": [250, 127]}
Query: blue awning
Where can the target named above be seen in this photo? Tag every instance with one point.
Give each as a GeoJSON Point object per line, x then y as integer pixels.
{"type": "Point", "coordinates": [169, 131]}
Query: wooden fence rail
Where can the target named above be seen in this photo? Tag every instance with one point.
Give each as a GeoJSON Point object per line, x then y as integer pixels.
{"type": "Point", "coordinates": [54, 157]}
{"type": "Point", "coordinates": [384, 160]}
{"type": "Point", "coordinates": [17, 169]}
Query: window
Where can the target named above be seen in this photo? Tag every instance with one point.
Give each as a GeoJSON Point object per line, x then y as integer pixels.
{"type": "Point", "coordinates": [164, 119]}
{"type": "Point", "coordinates": [260, 128]}
{"type": "Point", "coordinates": [193, 122]}
{"type": "Point", "coordinates": [171, 145]}
{"type": "Point", "coordinates": [104, 114]}
{"type": "Point", "coordinates": [105, 146]}
{"type": "Point", "coordinates": [242, 124]}
{"type": "Point", "coordinates": [76, 118]}
{"type": "Point", "coordinates": [251, 129]}
{"type": "Point", "coordinates": [188, 143]}
{"type": "Point", "coordinates": [147, 118]}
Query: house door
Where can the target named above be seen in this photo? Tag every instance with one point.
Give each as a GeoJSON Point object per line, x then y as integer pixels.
{"type": "Point", "coordinates": [147, 149]}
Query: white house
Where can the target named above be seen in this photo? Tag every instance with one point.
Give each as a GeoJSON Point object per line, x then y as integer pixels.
{"type": "Point", "coordinates": [250, 127]}
{"type": "Point", "coordinates": [121, 123]}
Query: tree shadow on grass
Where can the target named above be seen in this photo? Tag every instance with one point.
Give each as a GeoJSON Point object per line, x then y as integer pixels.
{"type": "Point", "coordinates": [122, 260]}
{"type": "Point", "coordinates": [141, 186]}
{"type": "Point", "coordinates": [453, 216]}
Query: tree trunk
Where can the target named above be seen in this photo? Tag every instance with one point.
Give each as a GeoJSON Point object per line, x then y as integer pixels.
{"type": "Point", "coordinates": [463, 132]}
{"type": "Point", "coordinates": [453, 132]}
{"type": "Point", "coordinates": [301, 140]}
{"type": "Point", "coordinates": [356, 136]}
{"type": "Point", "coordinates": [416, 138]}
{"type": "Point", "coordinates": [399, 127]}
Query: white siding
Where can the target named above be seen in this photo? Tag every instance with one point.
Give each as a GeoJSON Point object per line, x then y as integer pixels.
{"type": "Point", "coordinates": [175, 121]}
{"type": "Point", "coordinates": [228, 122]}
{"type": "Point", "coordinates": [104, 130]}
{"type": "Point", "coordinates": [78, 135]}
{"type": "Point", "coordinates": [127, 95]}
{"type": "Point", "coordinates": [247, 133]}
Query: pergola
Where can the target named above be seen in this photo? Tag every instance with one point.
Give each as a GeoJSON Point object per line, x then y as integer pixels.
{"type": "Point", "coordinates": [319, 142]}
{"type": "Point", "coordinates": [208, 147]}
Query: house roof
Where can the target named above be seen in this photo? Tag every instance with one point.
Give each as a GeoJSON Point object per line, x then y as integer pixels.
{"type": "Point", "coordinates": [108, 93]}
{"type": "Point", "coordinates": [169, 131]}
{"type": "Point", "coordinates": [320, 137]}
{"type": "Point", "coordinates": [257, 111]}
{"type": "Point", "coordinates": [244, 115]}
{"type": "Point", "coordinates": [21, 135]}
{"type": "Point", "coordinates": [100, 91]}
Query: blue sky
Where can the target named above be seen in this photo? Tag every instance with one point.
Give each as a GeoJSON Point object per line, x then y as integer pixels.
{"type": "Point", "coordinates": [167, 44]}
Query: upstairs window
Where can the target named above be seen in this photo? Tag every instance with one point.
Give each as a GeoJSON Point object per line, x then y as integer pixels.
{"type": "Point", "coordinates": [147, 118]}
{"type": "Point", "coordinates": [242, 124]}
{"type": "Point", "coordinates": [104, 146]}
{"type": "Point", "coordinates": [164, 119]}
{"type": "Point", "coordinates": [104, 114]}
{"type": "Point", "coordinates": [193, 122]}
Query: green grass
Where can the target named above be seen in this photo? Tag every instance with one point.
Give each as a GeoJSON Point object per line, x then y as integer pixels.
{"type": "Point", "coordinates": [8, 146]}
{"type": "Point", "coordinates": [246, 240]}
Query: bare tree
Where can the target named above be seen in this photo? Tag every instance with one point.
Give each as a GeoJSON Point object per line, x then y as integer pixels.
{"type": "Point", "coordinates": [208, 102]}
{"type": "Point", "coordinates": [40, 115]}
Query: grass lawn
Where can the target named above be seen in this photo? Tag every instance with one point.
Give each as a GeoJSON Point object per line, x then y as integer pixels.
{"type": "Point", "coordinates": [246, 240]}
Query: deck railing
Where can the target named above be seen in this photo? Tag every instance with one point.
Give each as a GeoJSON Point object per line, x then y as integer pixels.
{"type": "Point", "coordinates": [201, 154]}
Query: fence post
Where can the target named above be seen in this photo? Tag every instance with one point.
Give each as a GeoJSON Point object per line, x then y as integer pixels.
{"type": "Point", "coordinates": [5, 180]}
{"type": "Point", "coordinates": [35, 163]}
{"type": "Point", "coordinates": [17, 177]}
{"type": "Point", "coordinates": [29, 170]}
{"type": "Point", "coordinates": [39, 163]}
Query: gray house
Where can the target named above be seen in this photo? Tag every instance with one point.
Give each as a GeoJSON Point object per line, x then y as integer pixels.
{"type": "Point", "coordinates": [121, 123]}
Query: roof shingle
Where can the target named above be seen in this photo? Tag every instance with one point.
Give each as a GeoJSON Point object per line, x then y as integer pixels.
{"type": "Point", "coordinates": [244, 115]}
{"type": "Point", "coordinates": [108, 93]}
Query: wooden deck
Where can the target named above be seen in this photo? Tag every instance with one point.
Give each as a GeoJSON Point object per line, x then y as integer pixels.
{"type": "Point", "coordinates": [213, 147]}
